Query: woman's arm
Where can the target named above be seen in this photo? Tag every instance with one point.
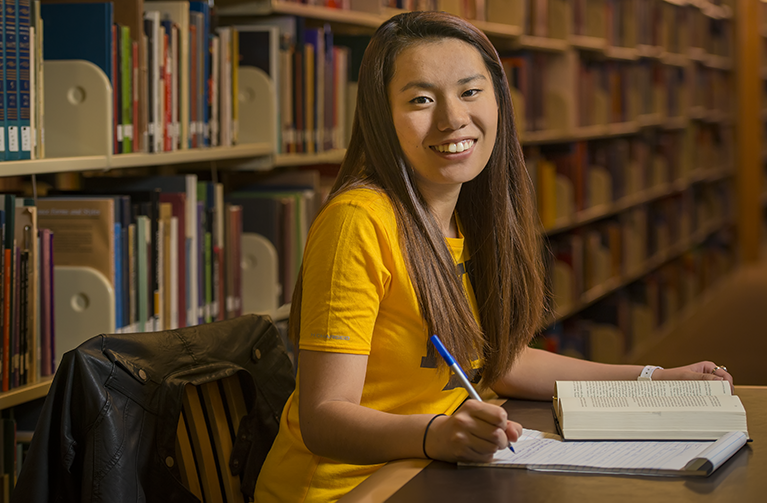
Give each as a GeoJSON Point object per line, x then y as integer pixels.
{"type": "Point", "coordinates": [535, 371]}
{"type": "Point", "coordinates": [336, 426]}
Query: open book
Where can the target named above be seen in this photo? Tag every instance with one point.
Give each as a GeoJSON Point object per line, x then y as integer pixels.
{"type": "Point", "coordinates": [539, 451]}
{"type": "Point", "coordinates": [647, 410]}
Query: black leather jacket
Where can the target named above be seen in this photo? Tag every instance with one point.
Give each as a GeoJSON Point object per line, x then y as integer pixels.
{"type": "Point", "coordinates": [108, 425]}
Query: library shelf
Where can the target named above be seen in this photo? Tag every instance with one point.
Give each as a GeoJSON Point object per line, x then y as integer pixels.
{"type": "Point", "coordinates": [543, 43]}
{"type": "Point", "coordinates": [718, 62]}
{"type": "Point", "coordinates": [25, 393]}
{"type": "Point", "coordinates": [635, 354]}
{"type": "Point", "coordinates": [119, 161]}
{"type": "Point", "coordinates": [53, 165]}
{"type": "Point", "coordinates": [497, 29]}
{"type": "Point", "coordinates": [601, 291]}
{"type": "Point", "coordinates": [263, 8]}
{"type": "Point", "coordinates": [622, 53]}
{"type": "Point", "coordinates": [588, 43]}
{"type": "Point", "coordinates": [334, 156]}
{"type": "Point", "coordinates": [644, 196]}
{"type": "Point", "coordinates": [674, 59]}
{"type": "Point", "coordinates": [650, 51]}
{"type": "Point", "coordinates": [190, 155]}
{"type": "Point", "coordinates": [674, 123]}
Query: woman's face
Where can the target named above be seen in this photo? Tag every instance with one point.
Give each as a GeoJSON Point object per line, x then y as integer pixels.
{"type": "Point", "coordinates": [445, 113]}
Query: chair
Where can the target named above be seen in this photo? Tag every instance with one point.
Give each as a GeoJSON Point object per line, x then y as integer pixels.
{"type": "Point", "coordinates": [183, 415]}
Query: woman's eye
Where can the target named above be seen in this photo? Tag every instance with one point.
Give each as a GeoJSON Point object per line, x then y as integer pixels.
{"type": "Point", "coordinates": [421, 100]}
{"type": "Point", "coordinates": [471, 92]}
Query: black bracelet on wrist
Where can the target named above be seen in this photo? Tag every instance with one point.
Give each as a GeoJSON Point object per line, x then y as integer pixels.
{"type": "Point", "coordinates": [427, 431]}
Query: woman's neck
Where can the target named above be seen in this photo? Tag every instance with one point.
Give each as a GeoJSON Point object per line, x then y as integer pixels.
{"type": "Point", "coordinates": [442, 206]}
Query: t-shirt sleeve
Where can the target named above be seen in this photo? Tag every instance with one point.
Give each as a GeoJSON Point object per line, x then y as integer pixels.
{"type": "Point", "coordinates": [344, 279]}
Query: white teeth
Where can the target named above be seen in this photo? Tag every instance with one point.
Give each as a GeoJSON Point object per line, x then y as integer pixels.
{"type": "Point", "coordinates": [454, 147]}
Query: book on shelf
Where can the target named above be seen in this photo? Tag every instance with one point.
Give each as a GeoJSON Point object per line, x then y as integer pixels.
{"type": "Point", "coordinates": [647, 410]}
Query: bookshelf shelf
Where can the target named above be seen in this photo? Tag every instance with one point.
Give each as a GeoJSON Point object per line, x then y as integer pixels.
{"type": "Point", "coordinates": [265, 7]}
{"type": "Point", "coordinates": [622, 53]}
{"type": "Point", "coordinates": [718, 62]}
{"type": "Point", "coordinates": [588, 43]}
{"type": "Point", "coordinates": [120, 161]}
{"type": "Point", "coordinates": [53, 165]}
{"type": "Point", "coordinates": [645, 196]}
{"type": "Point", "coordinates": [636, 354]}
{"type": "Point", "coordinates": [543, 43]}
{"type": "Point", "coordinates": [674, 59]}
{"type": "Point", "coordinates": [329, 157]}
{"type": "Point", "coordinates": [25, 393]}
{"type": "Point", "coordinates": [190, 155]}
{"type": "Point", "coordinates": [650, 51]}
{"type": "Point", "coordinates": [599, 292]}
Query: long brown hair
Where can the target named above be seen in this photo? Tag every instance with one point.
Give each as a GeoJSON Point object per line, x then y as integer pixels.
{"type": "Point", "coordinates": [497, 209]}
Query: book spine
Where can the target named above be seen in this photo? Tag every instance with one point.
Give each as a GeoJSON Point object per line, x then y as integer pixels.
{"type": "Point", "coordinates": [11, 89]}
{"type": "Point", "coordinates": [3, 154]}
{"type": "Point", "coordinates": [168, 91]}
{"type": "Point", "coordinates": [117, 127]}
{"type": "Point", "coordinates": [25, 95]}
{"type": "Point", "coordinates": [126, 88]}
{"type": "Point", "coordinates": [7, 285]}
{"type": "Point", "coordinates": [137, 144]}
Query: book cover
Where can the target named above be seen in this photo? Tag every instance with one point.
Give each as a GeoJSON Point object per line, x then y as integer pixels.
{"type": "Point", "coordinates": [79, 31]}
{"type": "Point", "coordinates": [84, 229]}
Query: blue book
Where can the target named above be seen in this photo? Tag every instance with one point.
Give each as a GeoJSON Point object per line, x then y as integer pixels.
{"type": "Point", "coordinates": [23, 78]}
{"type": "Point", "coordinates": [202, 7]}
{"type": "Point", "coordinates": [10, 84]}
{"type": "Point", "coordinates": [79, 31]}
{"type": "Point", "coordinates": [2, 80]}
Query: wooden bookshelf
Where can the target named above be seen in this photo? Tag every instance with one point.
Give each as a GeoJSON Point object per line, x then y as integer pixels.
{"type": "Point", "coordinates": [25, 393]}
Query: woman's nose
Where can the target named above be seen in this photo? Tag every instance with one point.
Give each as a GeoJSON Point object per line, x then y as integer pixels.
{"type": "Point", "coordinates": [452, 115]}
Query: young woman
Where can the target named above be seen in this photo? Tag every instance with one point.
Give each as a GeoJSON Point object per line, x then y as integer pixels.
{"type": "Point", "coordinates": [430, 228]}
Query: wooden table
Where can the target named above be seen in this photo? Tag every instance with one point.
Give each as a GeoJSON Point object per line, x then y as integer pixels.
{"type": "Point", "coordinates": [742, 479]}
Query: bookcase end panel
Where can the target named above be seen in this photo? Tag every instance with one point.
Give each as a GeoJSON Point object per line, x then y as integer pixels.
{"type": "Point", "coordinates": [258, 107]}
{"type": "Point", "coordinates": [85, 307]}
{"type": "Point", "coordinates": [78, 109]}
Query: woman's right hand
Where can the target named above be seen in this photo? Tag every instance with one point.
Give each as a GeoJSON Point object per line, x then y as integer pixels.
{"type": "Point", "coordinates": [473, 434]}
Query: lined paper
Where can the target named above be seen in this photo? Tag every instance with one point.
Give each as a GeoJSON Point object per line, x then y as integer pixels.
{"type": "Point", "coordinates": [536, 450]}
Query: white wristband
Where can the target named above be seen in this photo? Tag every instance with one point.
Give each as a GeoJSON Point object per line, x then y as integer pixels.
{"type": "Point", "coordinates": [646, 374]}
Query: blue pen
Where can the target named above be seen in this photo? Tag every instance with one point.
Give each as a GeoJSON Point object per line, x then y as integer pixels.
{"type": "Point", "coordinates": [442, 350]}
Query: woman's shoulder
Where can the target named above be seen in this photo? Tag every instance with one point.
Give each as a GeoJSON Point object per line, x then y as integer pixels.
{"type": "Point", "coordinates": [364, 200]}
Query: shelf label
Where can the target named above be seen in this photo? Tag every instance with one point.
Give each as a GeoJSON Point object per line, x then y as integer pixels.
{"type": "Point", "coordinates": [13, 139]}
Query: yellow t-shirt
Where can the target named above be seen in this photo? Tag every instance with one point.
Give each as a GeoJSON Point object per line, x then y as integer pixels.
{"type": "Point", "coordinates": [358, 299]}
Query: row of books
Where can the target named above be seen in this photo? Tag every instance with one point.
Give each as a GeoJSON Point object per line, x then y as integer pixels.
{"type": "Point", "coordinates": [573, 177]}
{"type": "Point", "coordinates": [20, 80]}
{"type": "Point", "coordinates": [14, 445]}
{"type": "Point", "coordinates": [614, 248]}
{"type": "Point", "coordinates": [27, 322]}
{"type": "Point", "coordinates": [173, 78]}
{"type": "Point", "coordinates": [312, 72]}
{"type": "Point", "coordinates": [676, 27]}
{"type": "Point", "coordinates": [609, 91]}
{"type": "Point", "coordinates": [629, 318]}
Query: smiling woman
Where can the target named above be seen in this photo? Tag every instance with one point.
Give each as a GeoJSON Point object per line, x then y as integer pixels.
{"type": "Point", "coordinates": [430, 228]}
{"type": "Point", "coordinates": [445, 114]}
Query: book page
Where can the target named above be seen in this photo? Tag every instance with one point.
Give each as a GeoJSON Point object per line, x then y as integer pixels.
{"type": "Point", "coordinates": [536, 450]}
{"type": "Point", "coordinates": [641, 388]}
{"type": "Point", "coordinates": [650, 402]}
